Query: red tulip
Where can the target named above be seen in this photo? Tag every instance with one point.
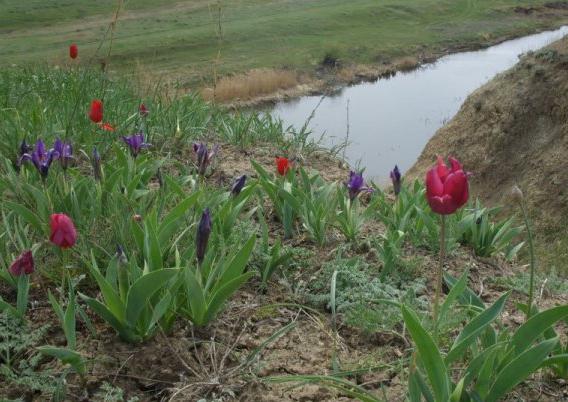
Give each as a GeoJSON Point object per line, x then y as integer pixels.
{"type": "Point", "coordinates": [446, 189]}
{"type": "Point", "coordinates": [23, 265]}
{"type": "Point", "coordinates": [63, 233]}
{"type": "Point", "coordinates": [73, 51]}
{"type": "Point", "coordinates": [96, 112]}
{"type": "Point", "coordinates": [143, 110]}
{"type": "Point", "coordinates": [282, 166]}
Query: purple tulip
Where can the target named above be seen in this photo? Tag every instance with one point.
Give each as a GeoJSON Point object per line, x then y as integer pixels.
{"type": "Point", "coordinates": [203, 232]}
{"type": "Point", "coordinates": [64, 152]}
{"type": "Point", "coordinates": [238, 185]}
{"type": "Point", "coordinates": [395, 177]}
{"type": "Point", "coordinates": [356, 184]}
{"type": "Point", "coordinates": [41, 158]}
{"type": "Point", "coordinates": [96, 162]}
{"type": "Point", "coordinates": [136, 143]}
{"type": "Point", "coordinates": [204, 156]}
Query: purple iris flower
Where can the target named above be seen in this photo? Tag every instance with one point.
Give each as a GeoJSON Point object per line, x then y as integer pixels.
{"type": "Point", "coordinates": [395, 177]}
{"type": "Point", "coordinates": [203, 232]}
{"type": "Point", "coordinates": [356, 184]}
{"type": "Point", "coordinates": [136, 143]}
{"type": "Point", "coordinates": [96, 162]}
{"type": "Point", "coordinates": [204, 156]}
{"type": "Point", "coordinates": [25, 148]}
{"type": "Point", "coordinates": [41, 158]}
{"type": "Point", "coordinates": [238, 185]}
{"type": "Point", "coordinates": [63, 152]}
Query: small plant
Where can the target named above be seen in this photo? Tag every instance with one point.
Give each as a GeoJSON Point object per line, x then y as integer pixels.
{"type": "Point", "coordinates": [134, 299]}
{"type": "Point", "coordinates": [487, 237]}
{"type": "Point", "coordinates": [494, 362]}
{"type": "Point", "coordinates": [67, 355]}
{"type": "Point", "coordinates": [206, 288]}
{"type": "Point", "coordinates": [18, 274]}
{"type": "Point", "coordinates": [280, 192]}
{"type": "Point", "coordinates": [389, 250]}
{"type": "Point", "coordinates": [272, 257]}
{"type": "Point", "coordinates": [351, 215]}
{"type": "Point", "coordinates": [315, 202]}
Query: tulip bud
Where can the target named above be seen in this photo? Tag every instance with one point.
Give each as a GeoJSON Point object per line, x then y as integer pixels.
{"type": "Point", "coordinates": [143, 110]}
{"type": "Point", "coordinates": [395, 177]}
{"type": "Point", "coordinates": [73, 51]}
{"type": "Point", "coordinates": [516, 194]}
{"type": "Point", "coordinates": [23, 265]}
{"type": "Point", "coordinates": [96, 162]}
{"type": "Point", "coordinates": [238, 185]}
{"type": "Point", "coordinates": [203, 232]}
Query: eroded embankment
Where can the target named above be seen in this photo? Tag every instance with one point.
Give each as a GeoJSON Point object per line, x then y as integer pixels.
{"type": "Point", "coordinates": [514, 130]}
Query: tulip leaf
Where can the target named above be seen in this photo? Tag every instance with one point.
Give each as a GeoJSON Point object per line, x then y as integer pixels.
{"type": "Point", "coordinates": [429, 354]}
{"type": "Point", "coordinates": [27, 215]}
{"type": "Point", "coordinates": [108, 316]}
{"type": "Point", "coordinates": [111, 298]}
{"type": "Point", "coordinates": [67, 356]}
{"type": "Point", "coordinates": [196, 298]}
{"type": "Point", "coordinates": [173, 219]}
{"type": "Point", "coordinates": [457, 289]}
{"type": "Point", "coordinates": [527, 333]}
{"type": "Point", "coordinates": [152, 251]}
{"type": "Point", "coordinates": [474, 328]}
{"type": "Point", "coordinates": [142, 290]}
{"type": "Point", "coordinates": [519, 369]}
{"type": "Point", "coordinates": [237, 264]}
{"type": "Point", "coordinates": [223, 293]}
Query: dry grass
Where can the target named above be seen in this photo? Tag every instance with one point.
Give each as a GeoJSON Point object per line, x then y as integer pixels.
{"type": "Point", "coordinates": [250, 85]}
{"type": "Point", "coordinates": [407, 63]}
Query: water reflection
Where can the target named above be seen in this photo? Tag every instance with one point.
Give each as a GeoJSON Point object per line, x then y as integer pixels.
{"type": "Point", "coordinates": [392, 119]}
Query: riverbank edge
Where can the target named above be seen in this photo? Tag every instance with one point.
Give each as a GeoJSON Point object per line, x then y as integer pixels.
{"type": "Point", "coordinates": [327, 81]}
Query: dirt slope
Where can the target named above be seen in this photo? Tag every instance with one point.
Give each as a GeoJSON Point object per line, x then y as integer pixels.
{"type": "Point", "coordinates": [514, 130]}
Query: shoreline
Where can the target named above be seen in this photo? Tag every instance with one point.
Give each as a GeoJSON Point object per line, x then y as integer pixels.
{"type": "Point", "coordinates": [326, 81]}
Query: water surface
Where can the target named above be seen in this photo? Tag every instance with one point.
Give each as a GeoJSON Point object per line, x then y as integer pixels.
{"type": "Point", "coordinates": [392, 119]}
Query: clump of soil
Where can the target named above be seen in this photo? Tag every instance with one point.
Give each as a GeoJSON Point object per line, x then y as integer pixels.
{"type": "Point", "coordinates": [514, 130]}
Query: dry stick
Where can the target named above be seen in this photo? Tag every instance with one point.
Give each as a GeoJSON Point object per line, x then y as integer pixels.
{"type": "Point", "coordinates": [347, 134]}
{"type": "Point", "coordinates": [533, 260]}
{"type": "Point", "coordinates": [439, 274]}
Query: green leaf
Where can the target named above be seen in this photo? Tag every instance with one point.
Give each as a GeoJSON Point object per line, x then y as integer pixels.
{"type": "Point", "coordinates": [152, 251]}
{"type": "Point", "coordinates": [519, 369]}
{"type": "Point", "coordinates": [238, 263]}
{"type": "Point", "coordinates": [111, 298]}
{"type": "Point", "coordinates": [429, 354]}
{"type": "Point", "coordinates": [23, 292]}
{"type": "Point", "coordinates": [224, 293]}
{"type": "Point", "coordinates": [112, 320]}
{"type": "Point", "coordinates": [468, 296]}
{"type": "Point", "coordinates": [67, 356]}
{"type": "Point", "coordinates": [457, 289]}
{"type": "Point", "coordinates": [27, 215]}
{"type": "Point", "coordinates": [69, 321]}
{"type": "Point", "coordinates": [142, 290]}
{"type": "Point", "coordinates": [195, 297]}
{"type": "Point", "coordinates": [527, 333]}
{"type": "Point", "coordinates": [457, 394]}
{"type": "Point", "coordinates": [174, 218]}
{"type": "Point", "coordinates": [475, 327]}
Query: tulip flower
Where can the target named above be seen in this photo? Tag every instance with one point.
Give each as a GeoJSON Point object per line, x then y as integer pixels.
{"type": "Point", "coordinates": [63, 232]}
{"type": "Point", "coordinates": [356, 184]}
{"type": "Point", "coordinates": [204, 156]}
{"type": "Point", "coordinates": [143, 110]}
{"type": "Point", "coordinates": [395, 178]}
{"type": "Point", "coordinates": [64, 152]}
{"type": "Point", "coordinates": [23, 265]}
{"type": "Point", "coordinates": [96, 162]}
{"type": "Point", "coordinates": [41, 158]}
{"type": "Point", "coordinates": [136, 143]}
{"type": "Point", "coordinates": [447, 189]}
{"type": "Point", "coordinates": [203, 232]}
{"type": "Point", "coordinates": [283, 165]}
{"type": "Point", "coordinates": [238, 185]}
{"type": "Point", "coordinates": [73, 51]}
{"type": "Point", "coordinates": [96, 111]}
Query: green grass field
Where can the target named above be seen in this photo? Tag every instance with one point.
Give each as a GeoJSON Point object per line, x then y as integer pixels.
{"type": "Point", "coordinates": [181, 37]}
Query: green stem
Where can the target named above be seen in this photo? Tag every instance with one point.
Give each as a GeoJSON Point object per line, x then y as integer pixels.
{"type": "Point", "coordinates": [439, 274]}
{"type": "Point", "coordinates": [533, 259]}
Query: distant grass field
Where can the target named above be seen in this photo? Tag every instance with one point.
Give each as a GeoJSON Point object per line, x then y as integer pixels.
{"type": "Point", "coordinates": [181, 38]}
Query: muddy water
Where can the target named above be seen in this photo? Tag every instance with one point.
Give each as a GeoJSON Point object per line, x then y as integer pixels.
{"type": "Point", "coordinates": [391, 120]}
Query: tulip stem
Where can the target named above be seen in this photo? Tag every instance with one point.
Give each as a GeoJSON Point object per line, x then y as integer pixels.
{"type": "Point", "coordinates": [533, 259]}
{"type": "Point", "coordinates": [439, 274]}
